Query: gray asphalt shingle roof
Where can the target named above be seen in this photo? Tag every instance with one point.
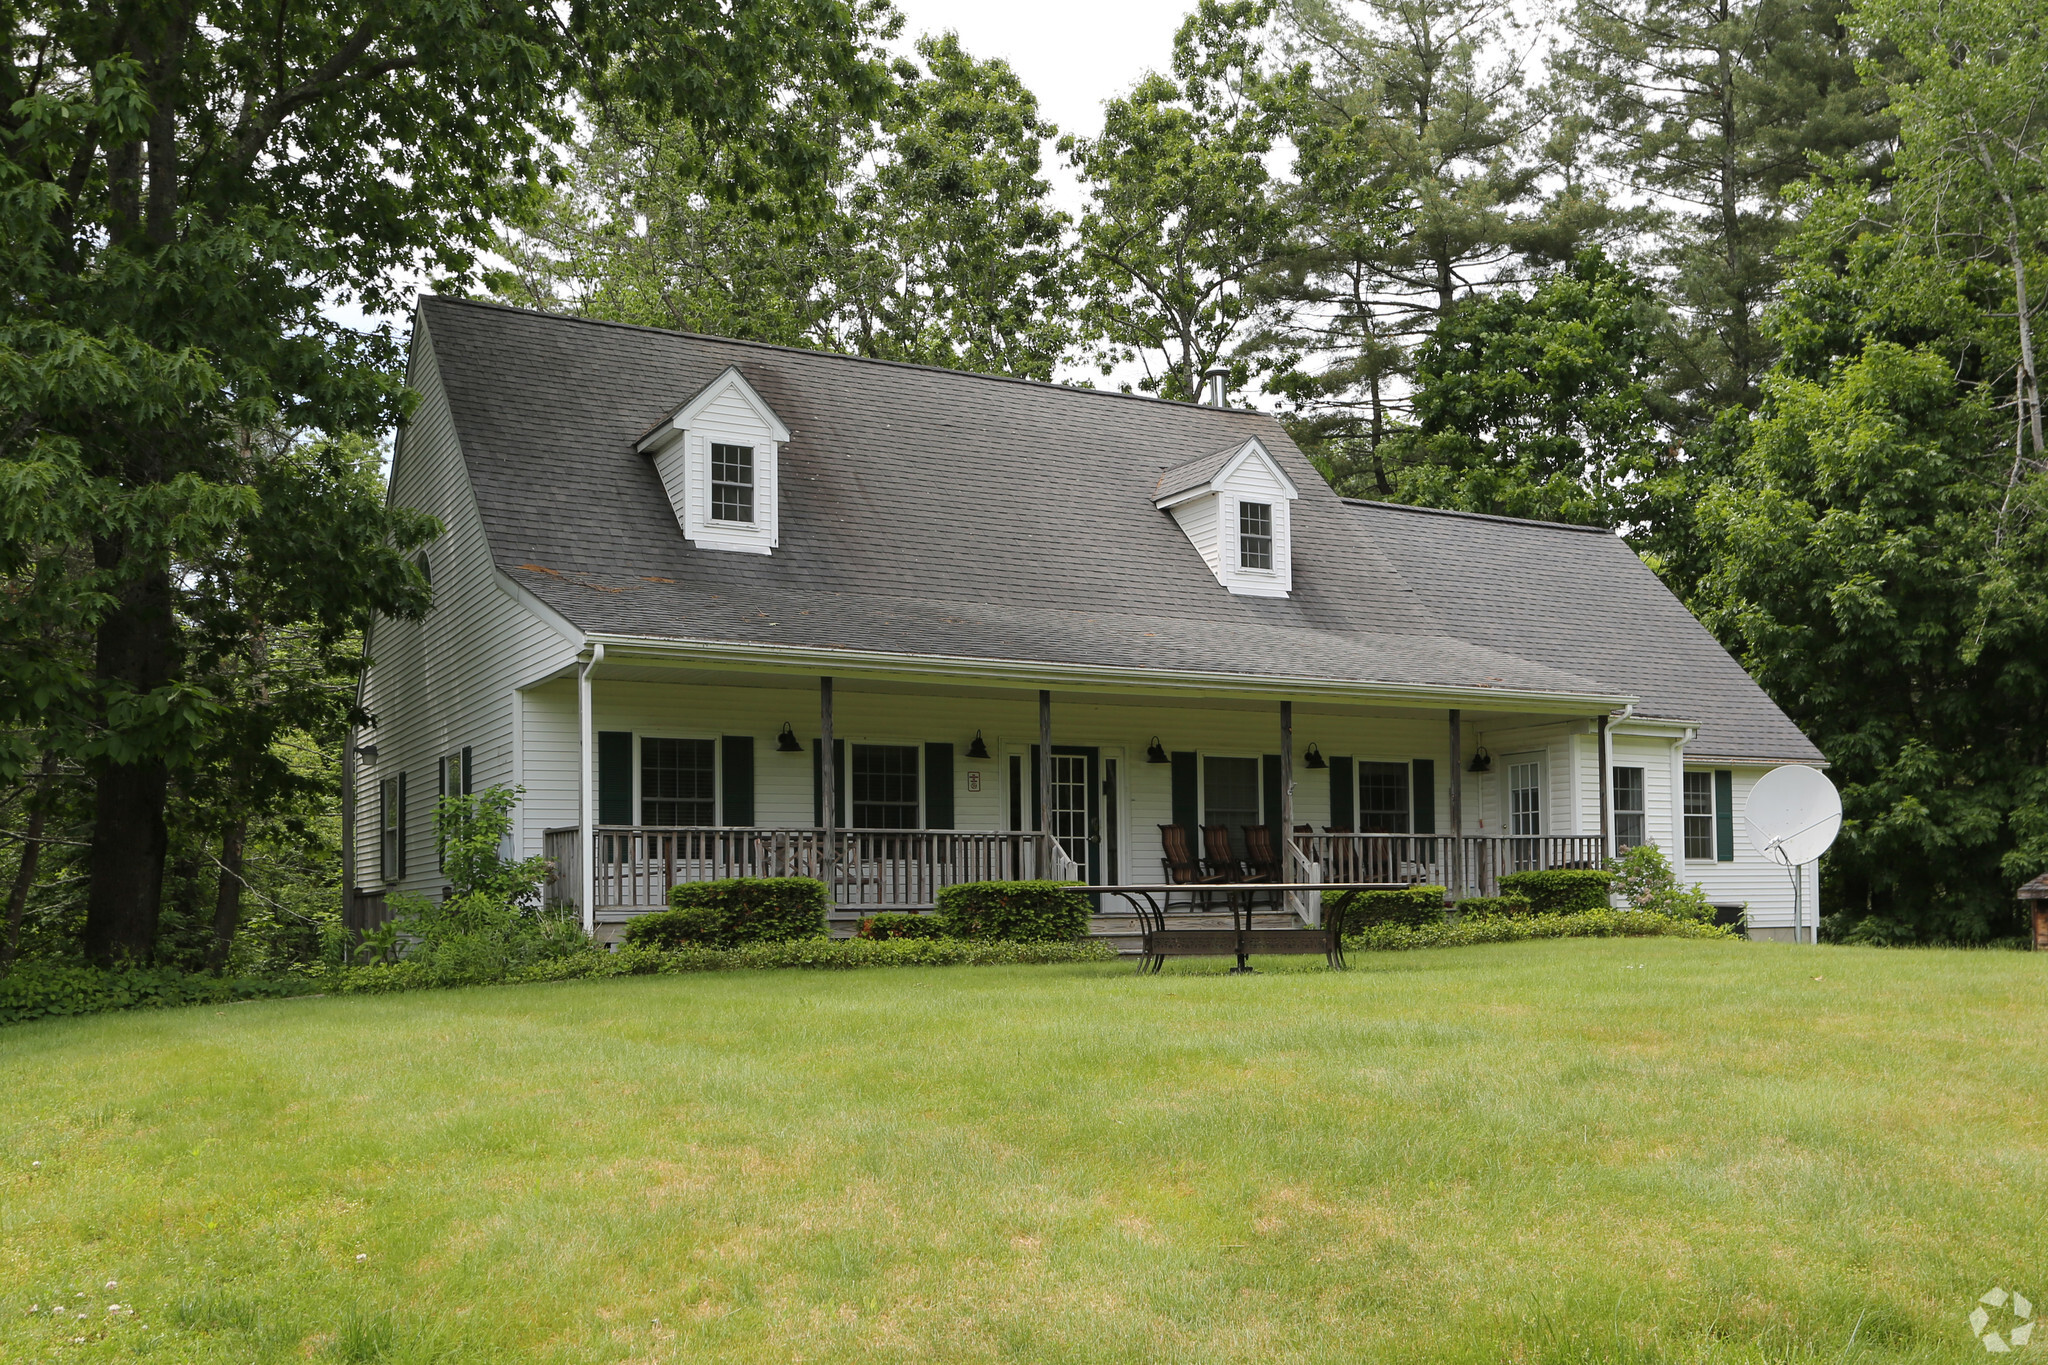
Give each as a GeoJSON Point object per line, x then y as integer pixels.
{"type": "Point", "coordinates": [929, 511]}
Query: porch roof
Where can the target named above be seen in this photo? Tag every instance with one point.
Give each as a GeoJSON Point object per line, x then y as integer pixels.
{"type": "Point", "coordinates": [936, 513]}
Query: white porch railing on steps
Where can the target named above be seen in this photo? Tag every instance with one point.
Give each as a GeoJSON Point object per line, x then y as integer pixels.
{"type": "Point", "coordinates": [635, 865]}
{"type": "Point", "coordinates": [1471, 865]}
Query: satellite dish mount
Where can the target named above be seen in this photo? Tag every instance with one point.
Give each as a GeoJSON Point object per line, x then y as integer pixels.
{"type": "Point", "coordinates": [1794, 814]}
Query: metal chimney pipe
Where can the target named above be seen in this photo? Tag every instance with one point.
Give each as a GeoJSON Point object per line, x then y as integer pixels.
{"type": "Point", "coordinates": [1212, 380]}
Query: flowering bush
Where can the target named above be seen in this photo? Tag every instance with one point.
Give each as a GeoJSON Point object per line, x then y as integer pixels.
{"type": "Point", "coordinates": [1643, 877]}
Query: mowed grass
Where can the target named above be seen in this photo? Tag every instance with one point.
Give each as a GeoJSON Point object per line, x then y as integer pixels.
{"type": "Point", "coordinates": [1565, 1151]}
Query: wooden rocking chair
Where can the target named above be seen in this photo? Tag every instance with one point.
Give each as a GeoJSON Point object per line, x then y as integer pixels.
{"type": "Point", "coordinates": [1183, 868]}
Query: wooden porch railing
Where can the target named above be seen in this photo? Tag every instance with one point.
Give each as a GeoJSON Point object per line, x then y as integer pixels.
{"type": "Point", "coordinates": [1471, 865]}
{"type": "Point", "coordinates": [635, 865]}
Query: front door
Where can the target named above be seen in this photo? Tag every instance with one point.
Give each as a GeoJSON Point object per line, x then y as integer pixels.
{"type": "Point", "coordinates": [1077, 790]}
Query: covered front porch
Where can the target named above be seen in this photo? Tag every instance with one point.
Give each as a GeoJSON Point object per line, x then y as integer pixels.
{"type": "Point", "coordinates": [687, 773]}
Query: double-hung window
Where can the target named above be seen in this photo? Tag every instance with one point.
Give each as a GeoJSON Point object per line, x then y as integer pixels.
{"type": "Point", "coordinates": [678, 782]}
{"type": "Point", "coordinates": [391, 828]}
{"type": "Point", "coordinates": [1383, 798]}
{"type": "Point", "coordinates": [1630, 814]}
{"type": "Point", "coordinates": [1255, 535]}
{"type": "Point", "coordinates": [732, 483]}
{"type": "Point", "coordinates": [1699, 815]}
{"type": "Point", "coordinates": [884, 786]}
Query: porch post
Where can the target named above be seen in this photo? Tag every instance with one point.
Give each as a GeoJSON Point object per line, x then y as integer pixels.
{"type": "Point", "coordinates": [1045, 781]}
{"type": "Point", "coordinates": [828, 795]}
{"type": "Point", "coordinates": [1606, 794]}
{"type": "Point", "coordinates": [586, 813]}
{"type": "Point", "coordinates": [1455, 864]}
{"type": "Point", "coordinates": [1286, 791]}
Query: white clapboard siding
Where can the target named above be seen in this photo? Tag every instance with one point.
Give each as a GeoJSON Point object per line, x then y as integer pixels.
{"type": "Point", "coordinates": [451, 681]}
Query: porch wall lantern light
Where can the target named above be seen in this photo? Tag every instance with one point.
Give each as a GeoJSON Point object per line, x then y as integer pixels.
{"type": "Point", "coordinates": [786, 741]}
{"type": "Point", "coordinates": [977, 749]}
{"type": "Point", "coordinates": [1156, 753]}
{"type": "Point", "coordinates": [1482, 761]}
{"type": "Point", "coordinates": [1313, 758]}
{"type": "Point", "coordinates": [367, 752]}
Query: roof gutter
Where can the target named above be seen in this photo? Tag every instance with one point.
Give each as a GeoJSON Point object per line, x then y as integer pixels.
{"type": "Point", "coordinates": [854, 663]}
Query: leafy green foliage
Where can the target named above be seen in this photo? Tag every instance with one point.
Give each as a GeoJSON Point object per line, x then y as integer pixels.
{"type": "Point", "coordinates": [753, 909]}
{"type": "Point", "coordinates": [692, 926]}
{"type": "Point", "coordinates": [1535, 407]}
{"type": "Point", "coordinates": [1494, 906]}
{"type": "Point", "coordinates": [40, 990]}
{"type": "Point", "coordinates": [1470, 930]}
{"type": "Point", "coordinates": [1182, 213]}
{"type": "Point", "coordinates": [931, 237]}
{"type": "Point", "coordinates": [1413, 906]}
{"type": "Point", "coordinates": [1013, 912]}
{"type": "Point", "coordinates": [890, 925]}
{"type": "Point", "coordinates": [1643, 877]}
{"type": "Point", "coordinates": [1559, 890]}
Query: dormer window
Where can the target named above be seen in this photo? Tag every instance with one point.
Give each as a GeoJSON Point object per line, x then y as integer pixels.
{"type": "Point", "coordinates": [717, 459]}
{"type": "Point", "coordinates": [1255, 535]}
{"type": "Point", "coordinates": [1242, 488]}
{"type": "Point", "coordinates": [732, 483]}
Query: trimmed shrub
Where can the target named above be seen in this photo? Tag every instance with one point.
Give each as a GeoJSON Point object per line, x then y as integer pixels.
{"type": "Point", "coordinates": [1643, 877]}
{"type": "Point", "coordinates": [1561, 890]}
{"type": "Point", "coordinates": [894, 924]}
{"type": "Point", "coordinates": [1476, 929]}
{"type": "Point", "coordinates": [1413, 906]}
{"type": "Point", "coordinates": [750, 910]}
{"type": "Point", "coordinates": [35, 990]}
{"type": "Point", "coordinates": [693, 926]}
{"type": "Point", "coordinates": [1013, 912]}
{"type": "Point", "coordinates": [1494, 905]}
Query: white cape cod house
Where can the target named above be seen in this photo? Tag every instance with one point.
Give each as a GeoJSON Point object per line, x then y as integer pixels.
{"type": "Point", "coordinates": [688, 587]}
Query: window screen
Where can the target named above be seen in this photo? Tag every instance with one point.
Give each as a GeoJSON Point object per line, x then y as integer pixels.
{"type": "Point", "coordinates": [732, 483]}
{"type": "Point", "coordinates": [1255, 535]}
{"type": "Point", "coordinates": [1230, 796]}
{"type": "Point", "coordinates": [678, 782]}
{"type": "Point", "coordinates": [1699, 815]}
{"type": "Point", "coordinates": [1525, 799]}
{"type": "Point", "coordinates": [884, 781]}
{"type": "Point", "coordinates": [1629, 810]}
{"type": "Point", "coordinates": [1383, 798]}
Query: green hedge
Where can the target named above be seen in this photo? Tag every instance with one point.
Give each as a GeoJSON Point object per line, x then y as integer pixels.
{"type": "Point", "coordinates": [895, 924]}
{"type": "Point", "coordinates": [1474, 929]}
{"type": "Point", "coordinates": [1494, 905]}
{"type": "Point", "coordinates": [1013, 912]}
{"type": "Point", "coordinates": [1560, 891]}
{"type": "Point", "coordinates": [1413, 906]}
{"type": "Point", "coordinates": [815, 954]}
{"type": "Point", "coordinates": [35, 990]}
{"type": "Point", "coordinates": [736, 911]}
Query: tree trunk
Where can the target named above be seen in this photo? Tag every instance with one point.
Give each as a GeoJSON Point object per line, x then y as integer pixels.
{"type": "Point", "coordinates": [125, 871]}
{"type": "Point", "coordinates": [227, 908]}
{"type": "Point", "coordinates": [31, 856]}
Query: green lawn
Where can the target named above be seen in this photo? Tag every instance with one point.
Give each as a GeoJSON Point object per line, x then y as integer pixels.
{"type": "Point", "coordinates": [1587, 1150]}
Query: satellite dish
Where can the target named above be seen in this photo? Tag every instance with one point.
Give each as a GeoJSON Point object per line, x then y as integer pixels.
{"type": "Point", "coordinates": [1794, 814]}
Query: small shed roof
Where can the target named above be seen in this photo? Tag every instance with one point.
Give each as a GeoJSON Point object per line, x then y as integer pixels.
{"type": "Point", "coordinates": [2036, 890]}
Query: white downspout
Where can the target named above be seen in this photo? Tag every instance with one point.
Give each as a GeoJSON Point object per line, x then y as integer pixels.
{"type": "Point", "coordinates": [586, 820]}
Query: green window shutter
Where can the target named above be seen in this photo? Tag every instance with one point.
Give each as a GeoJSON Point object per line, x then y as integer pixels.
{"type": "Point", "coordinates": [1422, 791]}
{"type": "Point", "coordinates": [938, 786]}
{"type": "Point", "coordinates": [1724, 815]}
{"type": "Point", "coordinates": [818, 783]}
{"type": "Point", "coordinates": [615, 777]}
{"type": "Point", "coordinates": [402, 831]}
{"type": "Point", "coordinates": [1271, 772]}
{"type": "Point", "coordinates": [736, 783]}
{"type": "Point", "coordinates": [1343, 795]}
{"type": "Point", "coordinates": [466, 783]}
{"type": "Point", "coordinates": [1186, 792]}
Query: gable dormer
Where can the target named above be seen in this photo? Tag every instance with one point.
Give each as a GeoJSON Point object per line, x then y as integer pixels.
{"type": "Point", "coordinates": [717, 458]}
{"type": "Point", "coordinates": [1233, 507]}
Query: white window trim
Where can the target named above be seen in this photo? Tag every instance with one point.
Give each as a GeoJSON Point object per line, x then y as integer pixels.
{"type": "Point", "coordinates": [1712, 817]}
{"type": "Point", "coordinates": [1202, 757]}
{"type": "Point", "coordinates": [717, 772]}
